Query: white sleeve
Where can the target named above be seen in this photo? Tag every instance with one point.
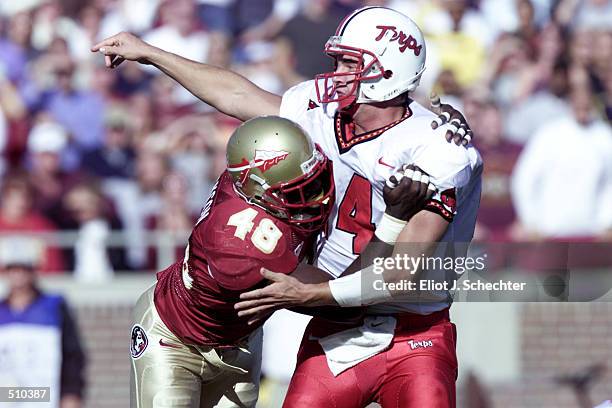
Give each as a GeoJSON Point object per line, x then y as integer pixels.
{"type": "Point", "coordinates": [296, 100]}
{"type": "Point", "coordinates": [447, 164]}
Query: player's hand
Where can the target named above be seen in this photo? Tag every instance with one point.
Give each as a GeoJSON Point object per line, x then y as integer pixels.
{"type": "Point", "coordinates": [460, 132]}
{"type": "Point", "coordinates": [121, 47]}
{"type": "Point", "coordinates": [406, 192]}
{"type": "Point", "coordinates": [283, 291]}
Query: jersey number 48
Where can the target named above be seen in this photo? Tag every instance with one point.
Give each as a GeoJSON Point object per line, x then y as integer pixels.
{"type": "Point", "coordinates": [264, 237]}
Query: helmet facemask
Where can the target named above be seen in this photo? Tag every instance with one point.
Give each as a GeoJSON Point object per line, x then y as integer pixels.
{"type": "Point", "coordinates": [369, 69]}
{"type": "Point", "coordinates": [304, 202]}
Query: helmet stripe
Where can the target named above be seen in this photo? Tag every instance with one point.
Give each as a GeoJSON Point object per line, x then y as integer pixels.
{"type": "Point", "coordinates": [347, 19]}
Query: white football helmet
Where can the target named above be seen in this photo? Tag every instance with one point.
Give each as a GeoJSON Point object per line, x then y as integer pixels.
{"type": "Point", "coordinates": [391, 53]}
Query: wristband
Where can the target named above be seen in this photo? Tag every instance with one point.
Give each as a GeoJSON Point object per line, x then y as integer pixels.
{"type": "Point", "coordinates": [389, 228]}
{"type": "Point", "coordinates": [348, 291]}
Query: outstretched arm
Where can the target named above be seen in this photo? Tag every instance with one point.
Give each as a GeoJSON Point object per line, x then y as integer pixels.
{"type": "Point", "coordinates": [223, 89]}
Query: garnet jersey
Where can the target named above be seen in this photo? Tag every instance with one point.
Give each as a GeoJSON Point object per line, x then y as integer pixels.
{"type": "Point", "coordinates": [363, 162]}
{"type": "Point", "coordinates": [229, 245]}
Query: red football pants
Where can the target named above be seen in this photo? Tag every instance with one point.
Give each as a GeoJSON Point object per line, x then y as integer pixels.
{"type": "Point", "coordinates": [418, 370]}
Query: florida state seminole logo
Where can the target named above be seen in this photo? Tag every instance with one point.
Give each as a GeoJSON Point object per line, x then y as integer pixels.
{"type": "Point", "coordinates": [263, 160]}
{"type": "Point", "coordinates": [139, 341]}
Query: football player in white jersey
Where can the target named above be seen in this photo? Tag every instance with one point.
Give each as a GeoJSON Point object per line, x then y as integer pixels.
{"type": "Point", "coordinates": [364, 120]}
{"type": "Point", "coordinates": [404, 355]}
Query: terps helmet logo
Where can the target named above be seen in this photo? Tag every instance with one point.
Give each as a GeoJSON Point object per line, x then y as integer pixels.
{"type": "Point", "coordinates": [403, 40]}
{"type": "Point", "coordinates": [263, 160]}
{"type": "Point", "coordinates": [139, 341]}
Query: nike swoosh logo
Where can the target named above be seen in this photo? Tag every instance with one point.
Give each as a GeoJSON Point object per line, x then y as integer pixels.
{"type": "Point", "coordinates": [377, 324]}
{"type": "Point", "coordinates": [164, 344]}
{"type": "Point", "coordinates": [380, 161]}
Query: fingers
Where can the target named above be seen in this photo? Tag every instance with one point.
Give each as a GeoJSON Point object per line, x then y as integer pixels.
{"type": "Point", "coordinates": [116, 61]}
{"type": "Point", "coordinates": [111, 55]}
{"type": "Point", "coordinates": [442, 119]}
{"type": "Point", "coordinates": [110, 41]}
{"type": "Point", "coordinates": [248, 305]}
{"type": "Point", "coordinates": [435, 103]}
{"type": "Point", "coordinates": [411, 179]}
{"type": "Point", "coordinates": [394, 180]}
{"type": "Point", "coordinates": [257, 313]}
{"type": "Point", "coordinates": [272, 276]}
{"type": "Point", "coordinates": [111, 48]}
{"type": "Point", "coordinates": [454, 126]}
{"type": "Point", "coordinates": [422, 183]}
{"type": "Point", "coordinates": [468, 138]}
{"type": "Point", "coordinates": [459, 131]}
{"type": "Point", "coordinates": [254, 294]}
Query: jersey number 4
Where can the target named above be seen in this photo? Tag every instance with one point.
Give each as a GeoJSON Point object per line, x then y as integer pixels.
{"type": "Point", "coordinates": [355, 212]}
{"type": "Point", "coordinates": [266, 235]}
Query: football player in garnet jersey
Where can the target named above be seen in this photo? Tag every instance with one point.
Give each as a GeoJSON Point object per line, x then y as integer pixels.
{"type": "Point", "coordinates": [362, 115]}
{"type": "Point", "coordinates": [189, 348]}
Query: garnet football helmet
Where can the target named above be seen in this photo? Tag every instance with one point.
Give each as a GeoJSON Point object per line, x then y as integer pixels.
{"type": "Point", "coordinates": [276, 166]}
{"type": "Point", "coordinates": [390, 53]}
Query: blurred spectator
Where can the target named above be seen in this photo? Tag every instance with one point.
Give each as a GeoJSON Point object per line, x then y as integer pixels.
{"type": "Point", "coordinates": [175, 215]}
{"type": "Point", "coordinates": [85, 205]}
{"type": "Point", "coordinates": [174, 220]}
{"type": "Point", "coordinates": [254, 20]}
{"type": "Point", "coordinates": [585, 14]}
{"type": "Point", "coordinates": [192, 143]}
{"type": "Point", "coordinates": [165, 104]}
{"type": "Point", "coordinates": [138, 201]}
{"type": "Point", "coordinates": [216, 15]}
{"type": "Point", "coordinates": [220, 52]}
{"type": "Point", "coordinates": [46, 142]}
{"type": "Point", "coordinates": [115, 158]}
{"type": "Point", "coordinates": [126, 15]}
{"type": "Point", "coordinates": [39, 340]}
{"type": "Point", "coordinates": [302, 54]}
{"type": "Point", "coordinates": [77, 110]}
{"type": "Point", "coordinates": [525, 118]}
{"type": "Point", "coordinates": [496, 213]}
{"type": "Point", "coordinates": [179, 30]}
{"type": "Point", "coordinates": [562, 185]}
{"type": "Point", "coordinates": [265, 68]}
{"type": "Point", "coordinates": [128, 80]}
{"type": "Point", "coordinates": [527, 30]}
{"type": "Point", "coordinates": [461, 37]}
{"type": "Point", "coordinates": [13, 124]}
{"type": "Point", "coordinates": [17, 215]}
{"type": "Point", "coordinates": [15, 46]}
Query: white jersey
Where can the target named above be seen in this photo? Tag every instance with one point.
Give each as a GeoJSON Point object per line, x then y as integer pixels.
{"type": "Point", "coordinates": [362, 163]}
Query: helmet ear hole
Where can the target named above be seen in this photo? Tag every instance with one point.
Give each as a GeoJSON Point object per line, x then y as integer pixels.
{"type": "Point", "coordinates": [387, 74]}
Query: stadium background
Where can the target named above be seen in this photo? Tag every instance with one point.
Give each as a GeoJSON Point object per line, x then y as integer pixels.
{"type": "Point", "coordinates": [106, 170]}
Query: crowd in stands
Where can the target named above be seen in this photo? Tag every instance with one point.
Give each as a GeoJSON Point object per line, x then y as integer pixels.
{"type": "Point", "coordinates": [103, 152]}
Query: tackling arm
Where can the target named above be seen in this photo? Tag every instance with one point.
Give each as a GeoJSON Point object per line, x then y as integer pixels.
{"type": "Point", "coordinates": [223, 89]}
